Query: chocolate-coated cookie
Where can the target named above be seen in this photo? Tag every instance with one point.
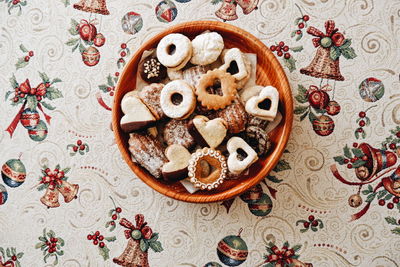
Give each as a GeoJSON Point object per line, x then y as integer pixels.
{"type": "Point", "coordinates": [151, 70]}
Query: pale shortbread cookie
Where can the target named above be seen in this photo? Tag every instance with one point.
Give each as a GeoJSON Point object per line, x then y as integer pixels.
{"type": "Point", "coordinates": [207, 47]}
{"type": "Point", "coordinates": [207, 132]}
{"type": "Point", "coordinates": [182, 90]}
{"type": "Point", "coordinates": [254, 104]}
{"type": "Point", "coordinates": [173, 50]}
{"type": "Point", "coordinates": [236, 162]}
{"type": "Point", "coordinates": [237, 64]}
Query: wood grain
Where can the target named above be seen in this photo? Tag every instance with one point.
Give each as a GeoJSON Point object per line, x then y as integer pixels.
{"type": "Point", "coordinates": [269, 72]}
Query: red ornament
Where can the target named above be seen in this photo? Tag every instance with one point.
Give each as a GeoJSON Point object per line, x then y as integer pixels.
{"type": "Point", "coordinates": [337, 39]}
{"type": "Point", "coordinates": [91, 56]}
{"type": "Point", "coordinates": [318, 99]}
{"type": "Point", "coordinates": [99, 40]}
{"type": "Point", "coordinates": [29, 118]}
{"type": "Point", "coordinates": [87, 31]}
{"type": "Point", "coordinates": [333, 108]}
{"type": "Point", "coordinates": [25, 87]}
{"type": "Point", "coordinates": [323, 125]}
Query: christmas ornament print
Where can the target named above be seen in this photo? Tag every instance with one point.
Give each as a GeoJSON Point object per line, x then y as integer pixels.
{"type": "Point", "coordinates": [232, 250]}
{"type": "Point", "coordinates": [323, 125]}
{"type": "Point", "coordinates": [50, 245]}
{"type": "Point", "coordinates": [252, 195]}
{"type": "Point", "coordinates": [39, 133]}
{"type": "Point", "coordinates": [371, 89]}
{"type": "Point", "coordinates": [212, 264]}
{"type": "Point", "coordinates": [3, 194]}
{"type": "Point", "coordinates": [166, 11]}
{"type": "Point", "coordinates": [30, 118]}
{"type": "Point", "coordinates": [132, 22]}
{"type": "Point", "coordinates": [13, 172]}
{"type": "Point", "coordinates": [99, 40]}
{"type": "Point", "coordinates": [333, 108]}
{"type": "Point", "coordinates": [183, 1]}
{"type": "Point", "coordinates": [10, 257]}
{"type": "Point", "coordinates": [262, 207]}
{"type": "Point", "coordinates": [91, 56]}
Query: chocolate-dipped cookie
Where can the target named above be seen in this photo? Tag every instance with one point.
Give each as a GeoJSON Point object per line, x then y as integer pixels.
{"type": "Point", "coordinates": [151, 70]}
{"type": "Point", "coordinates": [136, 115]}
{"type": "Point", "coordinates": [178, 160]}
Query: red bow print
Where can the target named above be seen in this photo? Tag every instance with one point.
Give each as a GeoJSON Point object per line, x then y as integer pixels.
{"type": "Point", "coordinates": [331, 32]}
{"type": "Point", "coordinates": [140, 225]}
{"type": "Point", "coordinates": [7, 263]}
{"type": "Point", "coordinates": [283, 256]}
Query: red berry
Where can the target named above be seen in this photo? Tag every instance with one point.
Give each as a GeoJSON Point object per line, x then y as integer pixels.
{"type": "Point", "coordinates": [123, 53]}
{"type": "Point", "coordinates": [82, 147]}
{"type": "Point", "coordinates": [52, 240]}
{"type": "Point", "coordinates": [353, 160]}
{"type": "Point", "coordinates": [123, 45]}
{"type": "Point", "coordinates": [47, 170]}
{"type": "Point", "coordinates": [360, 130]}
{"type": "Point", "coordinates": [306, 18]}
{"type": "Point", "coordinates": [361, 123]}
{"type": "Point", "coordinates": [362, 114]}
{"type": "Point", "coordinates": [280, 53]}
{"type": "Point", "coordinates": [101, 238]}
{"type": "Point", "coordinates": [117, 74]}
{"type": "Point", "coordinates": [112, 223]}
{"type": "Point", "coordinates": [355, 145]}
{"type": "Point", "coordinates": [311, 218]}
{"type": "Point", "coordinates": [349, 166]}
{"type": "Point", "coordinates": [346, 160]}
{"type": "Point", "coordinates": [381, 202]}
{"type": "Point", "coordinates": [15, 2]}
{"type": "Point", "coordinates": [301, 25]}
{"type": "Point", "coordinates": [102, 244]}
{"type": "Point", "coordinates": [15, 99]}
{"type": "Point", "coordinates": [396, 200]}
{"type": "Point", "coordinates": [79, 142]}
{"type": "Point", "coordinates": [314, 223]}
{"type": "Point", "coordinates": [111, 93]}
{"type": "Point", "coordinates": [21, 95]}
{"type": "Point", "coordinates": [364, 158]}
{"type": "Point", "coordinates": [14, 258]}
{"type": "Point", "coordinates": [114, 217]}
{"type": "Point", "coordinates": [30, 53]}
{"type": "Point", "coordinates": [273, 47]}
{"type": "Point", "coordinates": [298, 32]}
{"type": "Point", "coordinates": [281, 43]}
{"type": "Point", "coordinates": [47, 85]}
{"type": "Point", "coordinates": [392, 146]}
{"type": "Point", "coordinates": [75, 148]}
{"type": "Point", "coordinates": [97, 233]}
{"type": "Point", "coordinates": [306, 224]}
{"type": "Point", "coordinates": [118, 210]}
{"type": "Point", "coordinates": [95, 242]}
{"type": "Point", "coordinates": [398, 134]}
{"type": "Point", "coordinates": [89, 237]}
{"type": "Point", "coordinates": [51, 250]}
{"type": "Point", "coordinates": [287, 55]}
{"type": "Point", "coordinates": [27, 58]}
{"type": "Point", "coordinates": [38, 98]}
{"type": "Point", "coordinates": [108, 89]}
{"type": "Point", "coordinates": [390, 206]}
{"type": "Point", "coordinates": [56, 170]}
{"type": "Point", "coordinates": [285, 48]}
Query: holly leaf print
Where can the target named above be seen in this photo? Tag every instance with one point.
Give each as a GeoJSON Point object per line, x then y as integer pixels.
{"type": "Point", "coordinates": [66, 2]}
{"type": "Point", "coordinates": [21, 63]}
{"type": "Point", "coordinates": [110, 239]}
{"type": "Point", "coordinates": [290, 63]}
{"type": "Point", "coordinates": [282, 165]}
{"type": "Point", "coordinates": [44, 77]}
{"type": "Point", "coordinates": [23, 48]}
{"type": "Point", "coordinates": [357, 152]}
{"type": "Point", "coordinates": [347, 153]}
{"type": "Point", "coordinates": [300, 110]}
{"type": "Point", "coordinates": [391, 220]}
{"type": "Point", "coordinates": [105, 253]}
{"type": "Point", "coordinates": [335, 53]}
{"type": "Point", "coordinates": [156, 246]}
{"type": "Point", "coordinates": [396, 231]}
{"type": "Point", "coordinates": [72, 41]}
{"type": "Point", "coordinates": [297, 49]}
{"type": "Point", "coordinates": [53, 93]}
{"type": "Point", "coordinates": [349, 53]}
{"type": "Point", "coordinates": [339, 159]}
{"type": "Point", "coordinates": [144, 246]}
{"type": "Point", "coordinates": [358, 163]}
{"type": "Point", "coordinates": [346, 44]}
{"type": "Point", "coordinates": [302, 117]}
{"type": "Point", "coordinates": [48, 106]}
{"type": "Point", "coordinates": [214, 2]}
{"type": "Point", "coordinates": [273, 179]}
{"type": "Point", "coordinates": [227, 204]}
{"type": "Point", "coordinates": [13, 82]}
{"type": "Point", "coordinates": [31, 102]}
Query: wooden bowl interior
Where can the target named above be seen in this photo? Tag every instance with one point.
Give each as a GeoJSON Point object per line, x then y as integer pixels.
{"type": "Point", "coordinates": [269, 72]}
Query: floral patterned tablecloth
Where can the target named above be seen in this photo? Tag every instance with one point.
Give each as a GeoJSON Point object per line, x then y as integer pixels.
{"type": "Point", "coordinates": [332, 200]}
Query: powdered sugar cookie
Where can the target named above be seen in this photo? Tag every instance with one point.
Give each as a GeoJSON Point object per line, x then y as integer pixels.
{"type": "Point", "coordinates": [241, 155]}
{"type": "Point", "coordinates": [177, 132]}
{"type": "Point", "coordinates": [150, 96]}
{"type": "Point", "coordinates": [173, 50]}
{"type": "Point", "coordinates": [177, 99]}
{"type": "Point", "coordinates": [206, 48]}
{"type": "Point", "coordinates": [237, 64]}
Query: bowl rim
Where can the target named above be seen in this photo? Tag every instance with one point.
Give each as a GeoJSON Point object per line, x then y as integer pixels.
{"type": "Point", "coordinates": [241, 187]}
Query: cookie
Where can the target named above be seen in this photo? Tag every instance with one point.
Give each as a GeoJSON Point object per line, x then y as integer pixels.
{"type": "Point", "coordinates": [192, 75]}
{"type": "Point", "coordinates": [178, 160]}
{"type": "Point", "coordinates": [241, 155]}
{"type": "Point", "coordinates": [177, 132]}
{"type": "Point", "coordinates": [150, 96]}
{"type": "Point", "coordinates": [217, 175]}
{"type": "Point", "coordinates": [249, 92]}
{"type": "Point", "coordinates": [237, 64]}
{"type": "Point", "coordinates": [174, 74]}
{"type": "Point", "coordinates": [235, 115]}
{"type": "Point", "coordinates": [254, 121]}
{"type": "Point", "coordinates": [207, 47]}
{"type": "Point", "coordinates": [208, 133]}
{"type": "Point", "coordinates": [177, 99]}
{"type": "Point", "coordinates": [136, 115]}
{"type": "Point", "coordinates": [174, 50]}
{"type": "Point", "coordinates": [151, 70]}
{"type": "Point", "coordinates": [265, 104]}
{"type": "Point", "coordinates": [258, 139]}
{"type": "Point", "coordinates": [148, 153]}
{"type": "Point", "coordinates": [211, 79]}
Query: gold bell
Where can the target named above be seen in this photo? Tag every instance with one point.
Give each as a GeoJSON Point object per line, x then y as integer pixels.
{"type": "Point", "coordinates": [323, 66]}
{"type": "Point", "coordinates": [93, 6]}
{"type": "Point", "coordinates": [50, 198]}
{"type": "Point", "coordinates": [247, 5]}
{"type": "Point", "coordinates": [132, 256]}
{"type": "Point", "coordinates": [69, 191]}
{"type": "Point", "coordinates": [227, 11]}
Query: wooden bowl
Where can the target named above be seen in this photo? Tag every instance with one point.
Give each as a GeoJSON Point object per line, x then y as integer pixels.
{"type": "Point", "coordinates": [269, 72]}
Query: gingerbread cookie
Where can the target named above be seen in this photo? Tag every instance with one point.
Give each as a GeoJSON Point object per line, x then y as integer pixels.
{"type": "Point", "coordinates": [265, 104]}
{"type": "Point", "coordinates": [210, 79]}
{"type": "Point", "coordinates": [151, 70]}
{"type": "Point", "coordinates": [258, 139]}
{"type": "Point", "coordinates": [207, 132]}
{"type": "Point", "coordinates": [150, 96]}
{"type": "Point", "coordinates": [174, 51]}
{"type": "Point", "coordinates": [206, 48]}
{"type": "Point", "coordinates": [235, 115]}
{"type": "Point", "coordinates": [241, 155]}
{"type": "Point", "coordinates": [178, 160]}
{"type": "Point", "coordinates": [213, 158]}
{"type": "Point", "coordinates": [137, 115]}
{"type": "Point", "coordinates": [177, 132]}
{"type": "Point", "coordinates": [177, 99]}
{"type": "Point", "coordinates": [237, 64]}
{"type": "Point", "coordinates": [147, 152]}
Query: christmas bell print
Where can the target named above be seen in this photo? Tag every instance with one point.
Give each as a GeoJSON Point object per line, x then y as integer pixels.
{"type": "Point", "coordinates": [50, 198]}
{"type": "Point", "coordinates": [392, 183]}
{"type": "Point", "coordinates": [227, 11]}
{"type": "Point", "coordinates": [247, 5]}
{"type": "Point", "coordinates": [92, 6]}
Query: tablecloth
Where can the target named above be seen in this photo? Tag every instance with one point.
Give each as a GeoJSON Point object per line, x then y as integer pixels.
{"type": "Point", "coordinates": [332, 200]}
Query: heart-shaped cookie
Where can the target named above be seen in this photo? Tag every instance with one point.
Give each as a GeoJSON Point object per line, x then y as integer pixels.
{"type": "Point", "coordinates": [265, 104]}
{"type": "Point", "coordinates": [137, 115]}
{"type": "Point", "coordinates": [178, 160]}
{"type": "Point", "coordinates": [241, 155]}
{"type": "Point", "coordinates": [208, 133]}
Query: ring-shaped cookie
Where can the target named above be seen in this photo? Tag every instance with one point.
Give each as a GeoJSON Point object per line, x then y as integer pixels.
{"type": "Point", "coordinates": [213, 158]}
{"type": "Point", "coordinates": [215, 101]}
{"type": "Point", "coordinates": [184, 92]}
{"type": "Point", "coordinates": [174, 49]}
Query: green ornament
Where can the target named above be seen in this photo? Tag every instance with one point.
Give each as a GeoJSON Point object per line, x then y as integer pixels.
{"type": "Point", "coordinates": [326, 42]}
{"type": "Point", "coordinates": [262, 207]}
{"type": "Point", "coordinates": [136, 234]}
{"type": "Point", "coordinates": [13, 172]}
{"type": "Point", "coordinates": [39, 133]}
